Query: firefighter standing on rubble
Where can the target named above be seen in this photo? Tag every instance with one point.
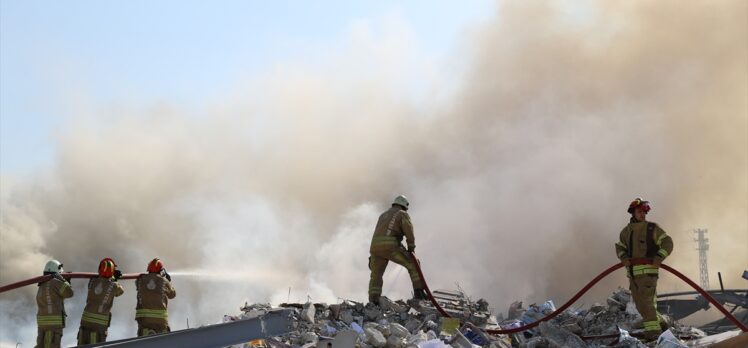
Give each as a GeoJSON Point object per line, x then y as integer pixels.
{"type": "Point", "coordinates": [644, 239]}
{"type": "Point", "coordinates": [97, 315]}
{"type": "Point", "coordinates": [154, 292]}
{"type": "Point", "coordinates": [50, 298]}
{"type": "Point", "coordinates": [393, 225]}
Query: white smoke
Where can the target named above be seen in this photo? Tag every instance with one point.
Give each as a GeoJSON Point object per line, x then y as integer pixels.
{"type": "Point", "coordinates": [519, 177]}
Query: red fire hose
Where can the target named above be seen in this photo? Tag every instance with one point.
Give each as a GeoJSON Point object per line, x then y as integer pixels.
{"type": "Point", "coordinates": [584, 290]}
{"type": "Point", "coordinates": [66, 275]}
{"type": "Point", "coordinates": [71, 275]}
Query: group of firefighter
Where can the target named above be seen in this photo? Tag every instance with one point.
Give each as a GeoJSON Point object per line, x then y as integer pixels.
{"type": "Point", "coordinates": [639, 239]}
{"type": "Point", "coordinates": [154, 290]}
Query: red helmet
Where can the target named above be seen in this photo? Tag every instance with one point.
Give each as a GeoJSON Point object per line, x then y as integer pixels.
{"type": "Point", "coordinates": [107, 267]}
{"type": "Point", "coordinates": [637, 203]}
{"type": "Point", "coordinates": [155, 266]}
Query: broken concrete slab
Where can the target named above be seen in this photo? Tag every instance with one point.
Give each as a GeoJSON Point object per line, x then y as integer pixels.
{"type": "Point", "coordinates": [308, 312]}
{"type": "Point", "coordinates": [668, 340]}
{"type": "Point", "coordinates": [397, 324]}
{"type": "Point", "coordinates": [398, 330]}
{"type": "Point", "coordinates": [558, 337]}
{"type": "Point", "coordinates": [374, 337]}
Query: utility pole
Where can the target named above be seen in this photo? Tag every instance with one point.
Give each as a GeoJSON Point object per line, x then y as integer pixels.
{"type": "Point", "coordinates": [702, 248]}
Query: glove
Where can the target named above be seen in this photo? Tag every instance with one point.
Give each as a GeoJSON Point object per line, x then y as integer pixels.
{"type": "Point", "coordinates": [626, 262]}
{"type": "Point", "coordinates": [167, 276]}
{"type": "Point", "coordinates": [59, 277]}
{"type": "Point", "coordinates": [411, 248]}
{"type": "Point", "coordinates": [117, 274]}
{"type": "Point", "coordinates": [657, 263]}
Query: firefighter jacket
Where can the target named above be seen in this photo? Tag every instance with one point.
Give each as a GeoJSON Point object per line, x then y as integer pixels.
{"type": "Point", "coordinates": [50, 303]}
{"type": "Point", "coordinates": [154, 292]}
{"type": "Point", "coordinates": [101, 294]}
{"type": "Point", "coordinates": [393, 225]}
{"type": "Point", "coordinates": [643, 240]}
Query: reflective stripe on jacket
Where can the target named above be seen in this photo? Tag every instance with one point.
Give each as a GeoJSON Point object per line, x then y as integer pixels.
{"type": "Point", "coordinates": [151, 313]}
{"type": "Point", "coordinates": [93, 318]}
{"type": "Point", "coordinates": [154, 292]}
{"type": "Point", "coordinates": [101, 294]}
{"type": "Point", "coordinates": [50, 303]}
{"type": "Point", "coordinates": [634, 244]}
{"type": "Point", "coordinates": [393, 225]}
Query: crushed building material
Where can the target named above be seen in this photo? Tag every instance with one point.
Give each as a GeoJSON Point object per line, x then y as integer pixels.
{"type": "Point", "coordinates": [417, 324]}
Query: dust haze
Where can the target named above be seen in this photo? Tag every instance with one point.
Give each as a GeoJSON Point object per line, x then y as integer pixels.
{"type": "Point", "coordinates": [519, 167]}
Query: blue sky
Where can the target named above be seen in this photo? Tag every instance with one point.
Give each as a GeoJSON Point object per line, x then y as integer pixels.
{"type": "Point", "coordinates": [177, 51]}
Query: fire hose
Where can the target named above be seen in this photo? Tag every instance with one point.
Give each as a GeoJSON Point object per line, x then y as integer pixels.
{"type": "Point", "coordinates": [66, 275]}
{"type": "Point", "coordinates": [605, 273]}
{"type": "Point", "coordinates": [581, 292]}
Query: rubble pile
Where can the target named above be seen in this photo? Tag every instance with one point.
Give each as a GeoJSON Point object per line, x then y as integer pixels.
{"type": "Point", "coordinates": [411, 324]}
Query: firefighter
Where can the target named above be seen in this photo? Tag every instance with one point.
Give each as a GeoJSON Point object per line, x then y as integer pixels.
{"type": "Point", "coordinates": [393, 225]}
{"type": "Point", "coordinates": [154, 292]}
{"type": "Point", "coordinates": [50, 300]}
{"type": "Point", "coordinates": [644, 239]}
{"type": "Point", "coordinates": [97, 315]}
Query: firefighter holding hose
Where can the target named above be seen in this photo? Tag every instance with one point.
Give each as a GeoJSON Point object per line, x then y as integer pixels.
{"type": "Point", "coordinates": [50, 300]}
{"type": "Point", "coordinates": [644, 239]}
{"type": "Point", "coordinates": [154, 292]}
{"type": "Point", "coordinates": [97, 315]}
{"type": "Point", "coordinates": [392, 226]}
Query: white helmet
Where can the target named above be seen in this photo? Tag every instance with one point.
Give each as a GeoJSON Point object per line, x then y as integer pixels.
{"type": "Point", "coordinates": [53, 266]}
{"type": "Point", "coordinates": [401, 201]}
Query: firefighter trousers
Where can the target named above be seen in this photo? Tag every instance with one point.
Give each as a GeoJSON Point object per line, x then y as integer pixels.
{"type": "Point", "coordinates": [643, 291]}
{"type": "Point", "coordinates": [378, 263]}
{"type": "Point", "coordinates": [48, 338]}
{"type": "Point", "coordinates": [90, 335]}
{"type": "Point", "coordinates": [152, 327]}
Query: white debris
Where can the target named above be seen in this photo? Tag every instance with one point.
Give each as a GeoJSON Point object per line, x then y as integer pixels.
{"type": "Point", "coordinates": [308, 313]}
{"type": "Point", "coordinates": [668, 340]}
{"type": "Point", "coordinates": [432, 344]}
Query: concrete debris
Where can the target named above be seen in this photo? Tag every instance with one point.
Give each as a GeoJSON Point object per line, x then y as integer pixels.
{"type": "Point", "coordinates": [559, 338]}
{"type": "Point", "coordinates": [432, 344]}
{"type": "Point", "coordinates": [535, 342]}
{"type": "Point", "coordinates": [308, 312]}
{"type": "Point", "coordinates": [374, 337]}
{"type": "Point", "coordinates": [416, 338]}
{"type": "Point", "coordinates": [460, 341]}
{"type": "Point", "coordinates": [255, 310]}
{"type": "Point", "coordinates": [626, 341]}
{"type": "Point", "coordinates": [398, 330]}
{"type": "Point", "coordinates": [668, 340]}
{"type": "Point", "coordinates": [727, 339]}
{"type": "Point", "coordinates": [413, 324]}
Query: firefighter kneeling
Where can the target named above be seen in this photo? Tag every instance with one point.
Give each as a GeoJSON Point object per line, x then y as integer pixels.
{"type": "Point", "coordinates": [154, 292]}
{"type": "Point", "coordinates": [97, 315]}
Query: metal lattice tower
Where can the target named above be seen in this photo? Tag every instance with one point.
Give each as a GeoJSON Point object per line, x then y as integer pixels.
{"type": "Point", "coordinates": [703, 247]}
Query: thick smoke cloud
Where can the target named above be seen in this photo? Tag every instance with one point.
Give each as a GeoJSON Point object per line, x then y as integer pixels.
{"type": "Point", "coordinates": [519, 176]}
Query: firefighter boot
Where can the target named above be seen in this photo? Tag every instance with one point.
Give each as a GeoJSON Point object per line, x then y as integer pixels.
{"type": "Point", "coordinates": [374, 300]}
{"type": "Point", "coordinates": [651, 336]}
{"type": "Point", "coordinates": [419, 294]}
